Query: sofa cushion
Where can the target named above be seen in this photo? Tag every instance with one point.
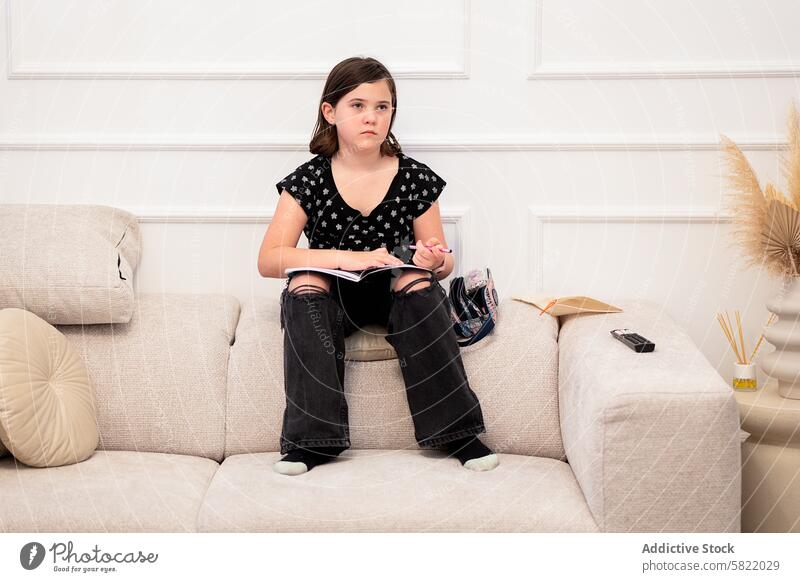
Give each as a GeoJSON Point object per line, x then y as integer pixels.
{"type": "Point", "coordinates": [113, 491]}
{"type": "Point", "coordinates": [513, 371]}
{"type": "Point", "coordinates": [395, 491]}
{"type": "Point", "coordinates": [69, 264]}
{"type": "Point", "coordinates": [47, 414]}
{"type": "Point", "coordinates": [160, 380]}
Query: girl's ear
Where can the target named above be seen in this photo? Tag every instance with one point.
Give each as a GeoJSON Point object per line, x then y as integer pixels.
{"type": "Point", "coordinates": [328, 113]}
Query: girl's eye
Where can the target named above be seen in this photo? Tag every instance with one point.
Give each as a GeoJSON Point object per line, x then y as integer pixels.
{"type": "Point", "coordinates": [384, 107]}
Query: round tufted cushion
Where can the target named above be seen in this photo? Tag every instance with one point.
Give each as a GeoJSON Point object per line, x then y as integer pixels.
{"type": "Point", "coordinates": [368, 344]}
{"type": "Point", "coordinates": [47, 412]}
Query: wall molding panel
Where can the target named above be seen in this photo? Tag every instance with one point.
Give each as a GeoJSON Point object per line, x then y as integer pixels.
{"type": "Point", "coordinates": [21, 70]}
{"type": "Point", "coordinates": [455, 220]}
{"type": "Point", "coordinates": [541, 70]}
{"type": "Point", "coordinates": [540, 216]}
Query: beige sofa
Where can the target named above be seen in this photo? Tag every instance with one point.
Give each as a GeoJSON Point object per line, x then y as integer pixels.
{"type": "Point", "coordinates": [189, 393]}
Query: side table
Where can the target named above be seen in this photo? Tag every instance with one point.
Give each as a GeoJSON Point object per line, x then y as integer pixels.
{"type": "Point", "coordinates": [770, 459]}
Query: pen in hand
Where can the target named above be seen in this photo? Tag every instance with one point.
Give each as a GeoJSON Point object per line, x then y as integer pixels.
{"type": "Point", "coordinates": [430, 247]}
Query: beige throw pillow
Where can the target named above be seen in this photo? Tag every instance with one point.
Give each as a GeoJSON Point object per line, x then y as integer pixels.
{"type": "Point", "coordinates": [47, 411]}
{"type": "Point", "coordinates": [369, 344]}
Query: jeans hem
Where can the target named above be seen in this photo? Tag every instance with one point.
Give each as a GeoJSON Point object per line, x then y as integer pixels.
{"type": "Point", "coordinates": [453, 436]}
{"type": "Point", "coordinates": [286, 446]}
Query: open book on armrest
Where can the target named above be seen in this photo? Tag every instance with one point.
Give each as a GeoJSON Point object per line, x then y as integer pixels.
{"type": "Point", "coordinates": [354, 276]}
{"type": "Point", "coordinates": [567, 305]}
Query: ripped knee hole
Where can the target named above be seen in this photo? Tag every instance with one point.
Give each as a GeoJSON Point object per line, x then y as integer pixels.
{"type": "Point", "coordinates": [407, 288]}
{"type": "Point", "coordinates": [307, 289]}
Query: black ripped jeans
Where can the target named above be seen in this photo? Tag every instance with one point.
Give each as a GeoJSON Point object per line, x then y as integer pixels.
{"type": "Point", "coordinates": [315, 322]}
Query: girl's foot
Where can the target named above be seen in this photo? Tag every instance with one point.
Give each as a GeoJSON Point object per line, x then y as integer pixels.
{"type": "Point", "coordinates": [298, 461]}
{"type": "Point", "coordinates": [472, 453]}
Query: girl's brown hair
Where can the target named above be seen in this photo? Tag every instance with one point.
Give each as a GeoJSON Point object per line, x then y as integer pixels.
{"type": "Point", "coordinates": [343, 78]}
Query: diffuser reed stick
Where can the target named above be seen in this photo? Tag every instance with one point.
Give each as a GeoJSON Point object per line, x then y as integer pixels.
{"type": "Point", "coordinates": [727, 329]}
{"type": "Point", "coordinates": [769, 322]}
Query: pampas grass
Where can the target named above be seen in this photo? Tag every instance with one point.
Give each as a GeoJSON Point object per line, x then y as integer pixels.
{"type": "Point", "coordinates": [766, 223]}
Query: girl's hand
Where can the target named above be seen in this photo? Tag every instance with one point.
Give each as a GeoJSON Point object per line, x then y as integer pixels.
{"type": "Point", "coordinates": [360, 260]}
{"type": "Point", "coordinates": [430, 258]}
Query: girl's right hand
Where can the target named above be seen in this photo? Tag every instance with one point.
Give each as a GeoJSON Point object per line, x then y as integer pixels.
{"type": "Point", "coordinates": [360, 260]}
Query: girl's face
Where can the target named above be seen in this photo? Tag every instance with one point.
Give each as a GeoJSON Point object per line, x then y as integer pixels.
{"type": "Point", "coordinates": [362, 116]}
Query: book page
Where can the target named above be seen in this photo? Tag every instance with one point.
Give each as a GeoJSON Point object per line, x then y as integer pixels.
{"type": "Point", "coordinates": [349, 275]}
{"type": "Point", "coordinates": [353, 275]}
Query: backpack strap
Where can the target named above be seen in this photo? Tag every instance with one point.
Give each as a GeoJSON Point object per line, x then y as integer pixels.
{"type": "Point", "coordinates": [486, 328]}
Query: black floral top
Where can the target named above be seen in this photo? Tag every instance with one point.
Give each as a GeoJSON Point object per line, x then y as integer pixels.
{"type": "Point", "coordinates": [332, 223]}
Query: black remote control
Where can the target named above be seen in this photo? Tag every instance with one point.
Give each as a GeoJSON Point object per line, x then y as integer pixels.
{"type": "Point", "coordinates": [633, 340]}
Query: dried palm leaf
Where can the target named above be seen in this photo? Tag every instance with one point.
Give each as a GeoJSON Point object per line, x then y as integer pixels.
{"type": "Point", "coordinates": [782, 235]}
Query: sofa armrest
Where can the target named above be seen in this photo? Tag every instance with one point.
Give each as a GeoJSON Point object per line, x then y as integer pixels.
{"type": "Point", "coordinates": [652, 438]}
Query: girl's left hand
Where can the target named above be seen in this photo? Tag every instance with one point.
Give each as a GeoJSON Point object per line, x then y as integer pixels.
{"type": "Point", "coordinates": [430, 258]}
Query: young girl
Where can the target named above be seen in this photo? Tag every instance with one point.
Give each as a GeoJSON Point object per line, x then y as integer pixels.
{"type": "Point", "coordinates": [361, 202]}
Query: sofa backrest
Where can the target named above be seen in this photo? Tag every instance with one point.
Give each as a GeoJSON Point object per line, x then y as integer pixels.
{"type": "Point", "coordinates": [513, 371]}
{"type": "Point", "coordinates": [160, 380]}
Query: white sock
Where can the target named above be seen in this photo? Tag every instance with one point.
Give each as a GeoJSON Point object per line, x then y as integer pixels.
{"type": "Point", "coordinates": [485, 463]}
{"type": "Point", "coordinates": [289, 467]}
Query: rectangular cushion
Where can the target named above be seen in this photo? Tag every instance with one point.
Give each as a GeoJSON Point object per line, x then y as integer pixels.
{"type": "Point", "coordinates": [109, 492]}
{"type": "Point", "coordinates": [160, 380]}
{"type": "Point", "coordinates": [513, 371]}
{"type": "Point", "coordinates": [69, 263]}
{"type": "Point", "coordinates": [395, 491]}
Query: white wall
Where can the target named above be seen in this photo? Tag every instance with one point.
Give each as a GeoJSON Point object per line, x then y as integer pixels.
{"type": "Point", "coordinates": [579, 138]}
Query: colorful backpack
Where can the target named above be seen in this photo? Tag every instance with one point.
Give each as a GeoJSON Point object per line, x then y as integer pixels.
{"type": "Point", "coordinates": [473, 306]}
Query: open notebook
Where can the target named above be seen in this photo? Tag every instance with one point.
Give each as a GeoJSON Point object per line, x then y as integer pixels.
{"type": "Point", "coordinates": [355, 276]}
{"type": "Point", "coordinates": [566, 304]}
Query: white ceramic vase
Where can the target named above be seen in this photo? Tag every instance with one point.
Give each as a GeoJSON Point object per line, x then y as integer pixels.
{"type": "Point", "coordinates": [784, 334]}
